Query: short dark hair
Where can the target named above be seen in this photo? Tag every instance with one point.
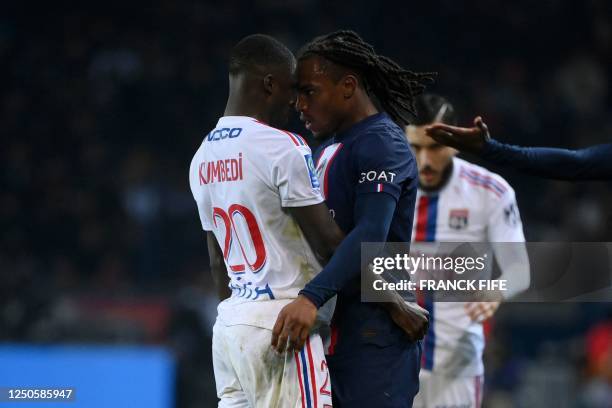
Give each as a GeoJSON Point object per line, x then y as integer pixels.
{"type": "Point", "coordinates": [432, 108]}
{"type": "Point", "coordinates": [259, 51]}
{"type": "Point", "coordinates": [393, 87]}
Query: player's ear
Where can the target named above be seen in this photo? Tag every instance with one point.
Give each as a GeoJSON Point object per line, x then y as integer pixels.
{"type": "Point", "coordinates": [268, 84]}
{"type": "Point", "coordinates": [349, 84]}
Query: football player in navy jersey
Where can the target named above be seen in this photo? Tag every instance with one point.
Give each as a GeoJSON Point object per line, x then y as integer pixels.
{"type": "Point", "coordinates": [359, 100]}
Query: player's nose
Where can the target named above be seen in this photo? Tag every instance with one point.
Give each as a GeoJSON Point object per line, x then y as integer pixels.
{"type": "Point", "coordinates": [293, 99]}
{"type": "Point", "coordinates": [300, 104]}
{"type": "Point", "coordinates": [423, 158]}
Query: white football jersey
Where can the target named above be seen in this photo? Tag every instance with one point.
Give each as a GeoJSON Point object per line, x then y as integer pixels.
{"type": "Point", "coordinates": [242, 178]}
{"type": "Point", "coordinates": [475, 205]}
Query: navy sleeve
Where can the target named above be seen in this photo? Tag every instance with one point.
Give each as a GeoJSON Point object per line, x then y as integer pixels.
{"type": "Point", "coordinates": [382, 161]}
{"type": "Point", "coordinates": [592, 163]}
{"type": "Point", "coordinates": [373, 215]}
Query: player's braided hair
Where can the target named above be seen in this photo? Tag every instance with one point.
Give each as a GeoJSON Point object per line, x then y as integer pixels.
{"type": "Point", "coordinates": [393, 86]}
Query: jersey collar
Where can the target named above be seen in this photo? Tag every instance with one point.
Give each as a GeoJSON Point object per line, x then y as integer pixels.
{"type": "Point", "coordinates": [359, 126]}
{"type": "Point", "coordinates": [233, 118]}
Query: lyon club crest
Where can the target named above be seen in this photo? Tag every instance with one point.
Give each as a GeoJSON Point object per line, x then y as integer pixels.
{"type": "Point", "coordinates": [458, 219]}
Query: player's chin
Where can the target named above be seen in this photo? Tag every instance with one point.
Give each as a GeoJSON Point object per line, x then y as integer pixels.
{"type": "Point", "coordinates": [429, 182]}
{"type": "Point", "coordinates": [319, 134]}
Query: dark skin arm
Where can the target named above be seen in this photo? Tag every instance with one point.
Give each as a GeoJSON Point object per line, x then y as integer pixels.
{"type": "Point", "coordinates": [297, 318]}
{"type": "Point", "coordinates": [319, 228]}
{"type": "Point", "coordinates": [410, 317]}
{"type": "Point", "coordinates": [323, 236]}
{"type": "Point", "coordinates": [217, 267]}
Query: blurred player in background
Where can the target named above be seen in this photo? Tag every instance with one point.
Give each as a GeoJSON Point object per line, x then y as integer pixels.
{"type": "Point", "coordinates": [592, 163]}
{"type": "Point", "coordinates": [347, 92]}
{"type": "Point", "coordinates": [267, 230]}
{"type": "Point", "coordinates": [460, 202]}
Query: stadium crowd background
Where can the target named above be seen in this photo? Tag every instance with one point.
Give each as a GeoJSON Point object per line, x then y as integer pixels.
{"type": "Point", "coordinates": [103, 104]}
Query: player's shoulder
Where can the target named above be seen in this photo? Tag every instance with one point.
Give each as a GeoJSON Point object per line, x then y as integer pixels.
{"type": "Point", "coordinates": [481, 180]}
{"type": "Point", "coordinates": [384, 128]}
{"type": "Point", "coordinates": [199, 151]}
{"type": "Point", "coordinates": [253, 134]}
{"type": "Point", "coordinates": [279, 137]}
{"type": "Point", "coordinates": [383, 138]}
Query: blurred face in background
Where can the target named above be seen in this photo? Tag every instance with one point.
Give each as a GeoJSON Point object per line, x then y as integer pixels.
{"type": "Point", "coordinates": [320, 97]}
{"type": "Point", "coordinates": [433, 159]}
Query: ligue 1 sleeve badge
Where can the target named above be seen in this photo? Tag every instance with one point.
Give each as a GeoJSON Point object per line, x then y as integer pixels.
{"type": "Point", "coordinates": [312, 171]}
{"type": "Point", "coordinates": [458, 219]}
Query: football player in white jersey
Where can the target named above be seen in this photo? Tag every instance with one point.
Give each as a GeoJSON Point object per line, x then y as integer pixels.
{"type": "Point", "coordinates": [268, 230]}
{"type": "Point", "coordinates": [459, 201]}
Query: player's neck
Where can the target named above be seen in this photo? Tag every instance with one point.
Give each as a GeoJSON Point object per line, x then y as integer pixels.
{"type": "Point", "coordinates": [239, 108]}
{"type": "Point", "coordinates": [242, 101]}
{"type": "Point", "coordinates": [362, 109]}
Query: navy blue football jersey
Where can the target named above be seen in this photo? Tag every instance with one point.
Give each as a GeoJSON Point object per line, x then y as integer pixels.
{"type": "Point", "coordinates": [371, 157]}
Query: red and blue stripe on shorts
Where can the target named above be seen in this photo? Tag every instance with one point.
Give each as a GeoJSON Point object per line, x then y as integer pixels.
{"type": "Point", "coordinates": [306, 376]}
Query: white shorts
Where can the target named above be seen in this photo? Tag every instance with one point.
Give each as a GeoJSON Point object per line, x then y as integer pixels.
{"type": "Point", "coordinates": [249, 373]}
{"type": "Point", "coordinates": [439, 391]}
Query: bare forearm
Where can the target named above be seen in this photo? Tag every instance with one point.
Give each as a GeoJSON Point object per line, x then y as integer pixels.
{"type": "Point", "coordinates": [217, 267]}
{"type": "Point", "coordinates": [321, 232]}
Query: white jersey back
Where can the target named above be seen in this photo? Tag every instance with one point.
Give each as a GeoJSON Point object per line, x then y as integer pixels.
{"type": "Point", "coordinates": [475, 205]}
{"type": "Point", "coordinates": [241, 177]}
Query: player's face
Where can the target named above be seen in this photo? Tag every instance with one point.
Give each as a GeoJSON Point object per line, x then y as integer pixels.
{"type": "Point", "coordinates": [432, 158]}
{"type": "Point", "coordinates": [283, 97]}
{"type": "Point", "coordinates": [320, 100]}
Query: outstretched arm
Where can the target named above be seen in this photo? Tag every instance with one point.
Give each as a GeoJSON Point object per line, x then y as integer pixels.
{"type": "Point", "coordinates": [592, 163]}
{"type": "Point", "coordinates": [295, 320]}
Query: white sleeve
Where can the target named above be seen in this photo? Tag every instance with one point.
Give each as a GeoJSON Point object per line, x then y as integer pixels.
{"type": "Point", "coordinates": [199, 196]}
{"type": "Point", "coordinates": [505, 220]}
{"type": "Point", "coordinates": [505, 233]}
{"type": "Point", "coordinates": [294, 174]}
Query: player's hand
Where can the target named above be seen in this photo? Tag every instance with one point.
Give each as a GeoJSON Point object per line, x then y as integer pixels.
{"type": "Point", "coordinates": [471, 140]}
{"type": "Point", "coordinates": [481, 311]}
{"type": "Point", "coordinates": [293, 325]}
{"type": "Point", "coordinates": [411, 318]}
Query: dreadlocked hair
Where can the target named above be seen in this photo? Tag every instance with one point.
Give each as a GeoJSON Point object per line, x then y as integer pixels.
{"type": "Point", "coordinates": [393, 87]}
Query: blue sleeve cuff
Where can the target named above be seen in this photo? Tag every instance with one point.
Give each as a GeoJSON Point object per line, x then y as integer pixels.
{"type": "Point", "coordinates": [316, 299]}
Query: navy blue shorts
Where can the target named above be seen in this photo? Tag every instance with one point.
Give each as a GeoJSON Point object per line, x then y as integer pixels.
{"type": "Point", "coordinates": [375, 375]}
